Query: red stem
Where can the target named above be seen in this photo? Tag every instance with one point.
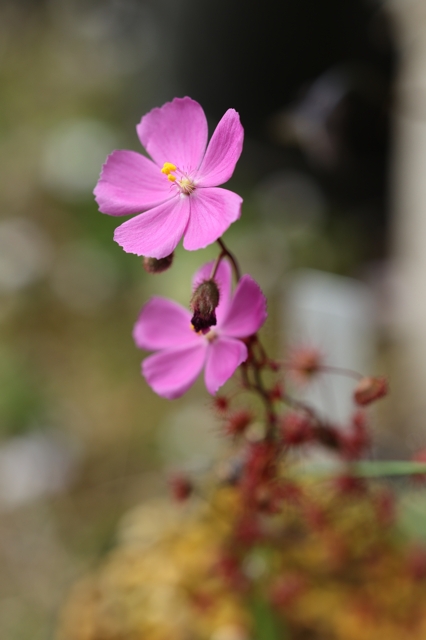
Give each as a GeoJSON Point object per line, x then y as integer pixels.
{"type": "Point", "coordinates": [232, 258]}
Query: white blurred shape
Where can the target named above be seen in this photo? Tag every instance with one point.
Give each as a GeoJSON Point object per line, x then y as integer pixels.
{"type": "Point", "coordinates": [292, 197]}
{"type": "Point", "coordinates": [85, 277]}
{"type": "Point", "coordinates": [34, 466]}
{"type": "Point", "coordinates": [25, 253]}
{"type": "Point", "coordinates": [73, 156]}
{"type": "Point", "coordinates": [190, 437]}
{"type": "Point", "coordinates": [335, 315]}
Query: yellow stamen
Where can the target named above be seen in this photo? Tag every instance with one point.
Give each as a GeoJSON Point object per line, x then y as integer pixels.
{"type": "Point", "coordinates": [168, 167]}
{"type": "Point", "coordinates": [186, 186]}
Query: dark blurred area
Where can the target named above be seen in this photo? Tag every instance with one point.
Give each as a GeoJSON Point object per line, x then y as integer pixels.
{"type": "Point", "coordinates": [82, 438]}
{"type": "Point", "coordinates": [313, 82]}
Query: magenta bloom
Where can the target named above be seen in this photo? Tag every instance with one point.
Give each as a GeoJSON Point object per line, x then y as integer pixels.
{"type": "Point", "coordinates": [165, 326]}
{"type": "Point", "coordinates": [178, 188]}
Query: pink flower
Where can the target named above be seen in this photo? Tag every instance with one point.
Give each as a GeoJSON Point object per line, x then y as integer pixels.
{"type": "Point", "coordinates": [178, 188]}
{"type": "Point", "coordinates": [165, 326]}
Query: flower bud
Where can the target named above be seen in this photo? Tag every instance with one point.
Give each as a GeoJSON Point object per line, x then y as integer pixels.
{"type": "Point", "coordinates": [369, 389]}
{"type": "Point", "coordinates": [204, 302]}
{"type": "Point", "coordinates": [154, 265]}
{"type": "Point", "coordinates": [221, 403]}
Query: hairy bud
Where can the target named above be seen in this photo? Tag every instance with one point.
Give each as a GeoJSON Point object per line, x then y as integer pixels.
{"type": "Point", "coordinates": [369, 389]}
{"type": "Point", "coordinates": [153, 265]}
{"type": "Point", "coordinates": [221, 403]}
{"type": "Point", "coordinates": [238, 422]}
{"type": "Point", "coordinates": [296, 428]}
{"type": "Point", "coordinates": [204, 302]}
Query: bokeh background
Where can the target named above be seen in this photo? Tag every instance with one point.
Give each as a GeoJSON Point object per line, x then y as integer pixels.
{"type": "Point", "coordinates": [330, 94]}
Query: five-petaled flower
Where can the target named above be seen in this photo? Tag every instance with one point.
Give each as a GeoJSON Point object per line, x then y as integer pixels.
{"type": "Point", "coordinates": [178, 188]}
{"type": "Point", "coordinates": [165, 326]}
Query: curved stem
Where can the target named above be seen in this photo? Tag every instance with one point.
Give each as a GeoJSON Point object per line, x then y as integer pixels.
{"type": "Point", "coordinates": [340, 371]}
{"type": "Point", "coordinates": [232, 258]}
{"type": "Point", "coordinates": [300, 405]}
{"type": "Point", "coordinates": [221, 255]}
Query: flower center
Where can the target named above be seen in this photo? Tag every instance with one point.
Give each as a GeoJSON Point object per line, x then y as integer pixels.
{"type": "Point", "coordinates": [206, 333]}
{"type": "Point", "coordinates": [185, 185]}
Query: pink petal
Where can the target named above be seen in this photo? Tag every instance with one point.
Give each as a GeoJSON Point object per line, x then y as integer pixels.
{"type": "Point", "coordinates": [163, 323]}
{"type": "Point", "coordinates": [212, 212]}
{"type": "Point", "coordinates": [130, 183]}
{"type": "Point", "coordinates": [223, 151]}
{"type": "Point", "coordinates": [224, 355]}
{"type": "Point", "coordinates": [176, 133]}
{"type": "Point", "coordinates": [247, 311]}
{"type": "Point", "coordinates": [223, 279]}
{"type": "Point", "coordinates": [170, 373]}
{"type": "Point", "coordinates": [157, 232]}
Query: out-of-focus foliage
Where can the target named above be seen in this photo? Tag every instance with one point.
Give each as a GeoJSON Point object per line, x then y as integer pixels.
{"type": "Point", "coordinates": [349, 579]}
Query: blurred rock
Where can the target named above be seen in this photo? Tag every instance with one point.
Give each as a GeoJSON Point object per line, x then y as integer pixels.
{"type": "Point", "coordinates": [25, 253]}
{"type": "Point", "coordinates": [34, 466]}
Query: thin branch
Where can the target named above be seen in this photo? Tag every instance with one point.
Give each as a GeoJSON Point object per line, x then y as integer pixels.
{"type": "Point", "coordinates": [221, 255]}
{"type": "Point", "coordinates": [232, 258]}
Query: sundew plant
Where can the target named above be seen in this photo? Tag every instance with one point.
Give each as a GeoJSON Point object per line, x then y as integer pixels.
{"type": "Point", "coordinates": [264, 548]}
